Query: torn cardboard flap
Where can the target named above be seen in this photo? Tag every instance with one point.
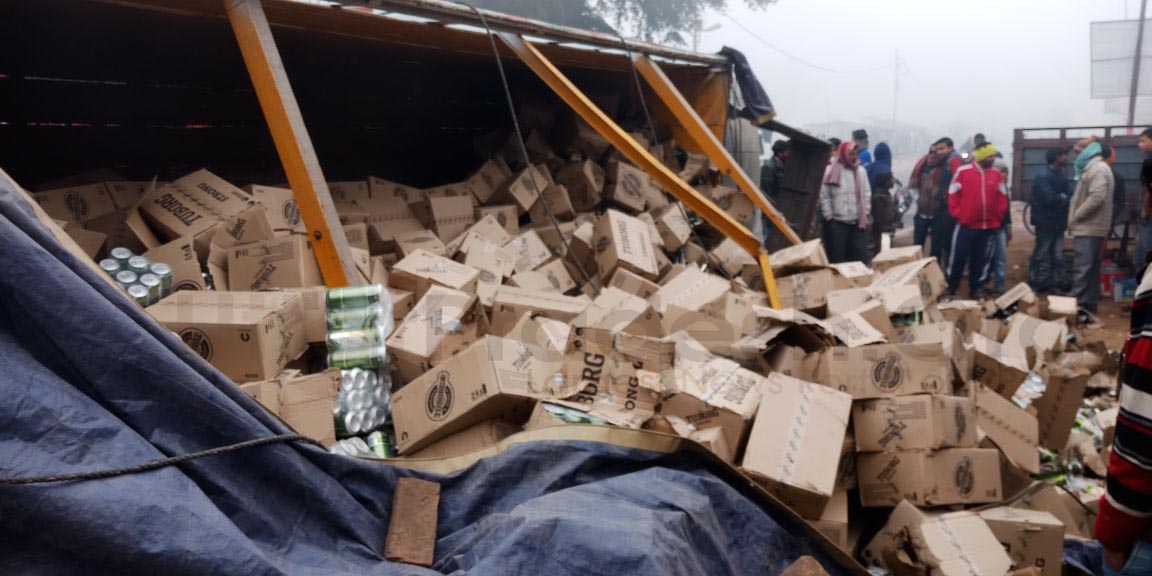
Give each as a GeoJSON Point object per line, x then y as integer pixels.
{"type": "Point", "coordinates": [181, 255]}
{"type": "Point", "coordinates": [997, 366]}
{"type": "Point", "coordinates": [925, 274]}
{"type": "Point", "coordinates": [853, 331]}
{"type": "Point", "coordinates": [801, 257]}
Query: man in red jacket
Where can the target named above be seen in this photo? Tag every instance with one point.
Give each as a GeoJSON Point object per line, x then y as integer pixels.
{"type": "Point", "coordinates": [978, 200]}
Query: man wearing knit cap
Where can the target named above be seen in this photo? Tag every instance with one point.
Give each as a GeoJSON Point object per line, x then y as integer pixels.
{"type": "Point", "coordinates": [978, 200]}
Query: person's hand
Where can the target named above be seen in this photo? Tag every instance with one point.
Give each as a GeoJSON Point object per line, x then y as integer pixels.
{"type": "Point", "coordinates": [1116, 559]}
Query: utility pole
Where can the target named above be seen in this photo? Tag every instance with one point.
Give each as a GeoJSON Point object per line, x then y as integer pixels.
{"type": "Point", "coordinates": [1136, 63]}
{"type": "Point", "coordinates": [896, 90]}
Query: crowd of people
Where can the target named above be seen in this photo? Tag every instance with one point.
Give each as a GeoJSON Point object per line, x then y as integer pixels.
{"type": "Point", "coordinates": [963, 216]}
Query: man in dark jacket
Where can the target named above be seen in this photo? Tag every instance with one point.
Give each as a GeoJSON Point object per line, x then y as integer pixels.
{"type": "Point", "coordinates": [1050, 194]}
{"type": "Point", "coordinates": [1144, 205]}
{"type": "Point", "coordinates": [772, 173]}
{"type": "Point", "coordinates": [931, 177]}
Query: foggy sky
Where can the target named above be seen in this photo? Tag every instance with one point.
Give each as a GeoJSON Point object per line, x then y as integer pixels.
{"type": "Point", "coordinates": [993, 65]}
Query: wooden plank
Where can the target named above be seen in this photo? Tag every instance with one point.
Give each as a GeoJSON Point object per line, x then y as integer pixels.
{"type": "Point", "coordinates": [412, 530]}
{"type": "Point", "coordinates": [292, 141]}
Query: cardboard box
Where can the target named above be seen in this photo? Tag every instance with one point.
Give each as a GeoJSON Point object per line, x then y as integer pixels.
{"type": "Point", "coordinates": [280, 204]}
{"type": "Point", "coordinates": [494, 263]}
{"type": "Point", "coordinates": [551, 277]}
{"type": "Point", "coordinates": [799, 258]}
{"type": "Point", "coordinates": [673, 226]}
{"type": "Point", "coordinates": [876, 315]}
{"type": "Point", "coordinates": [492, 378]}
{"type": "Point", "coordinates": [925, 274]}
{"type": "Point", "coordinates": [1031, 338]}
{"type": "Point", "coordinates": [1056, 408]}
{"type": "Point", "coordinates": [620, 312]}
{"type": "Point", "coordinates": [584, 182]}
{"type": "Point", "coordinates": [633, 283]}
{"type": "Point", "coordinates": [967, 315]}
{"type": "Point", "coordinates": [735, 203]}
{"type": "Point", "coordinates": [890, 370]}
{"type": "Point", "coordinates": [1031, 538]}
{"type": "Point", "coordinates": [467, 441]}
{"type": "Point", "coordinates": [448, 216]}
{"type": "Point", "coordinates": [77, 204]}
{"type": "Point", "coordinates": [486, 228]}
{"type": "Point", "coordinates": [557, 199]}
{"type": "Point", "coordinates": [441, 324]}
{"type": "Point", "coordinates": [523, 189]}
{"type": "Point", "coordinates": [940, 478]}
{"type": "Point", "coordinates": [180, 254]}
{"type": "Point", "coordinates": [422, 269]}
{"type": "Point", "coordinates": [304, 402]}
{"type": "Point", "coordinates": [857, 274]}
{"type": "Point", "coordinates": [853, 330]}
{"type": "Point", "coordinates": [794, 447]}
{"type": "Point", "coordinates": [624, 241]}
{"type": "Point", "coordinates": [918, 422]}
{"type": "Point", "coordinates": [607, 382]}
{"type": "Point", "coordinates": [806, 291]}
{"type": "Point", "coordinates": [690, 290]}
{"type": "Point", "coordinates": [506, 215]}
{"type": "Point", "coordinates": [846, 470]}
{"type": "Point", "coordinates": [487, 180]}
{"type": "Point", "coordinates": [389, 216]}
{"type": "Point", "coordinates": [510, 303]}
{"type": "Point", "coordinates": [246, 335]}
{"type": "Point", "coordinates": [403, 302]}
{"type": "Point", "coordinates": [894, 257]}
{"type": "Point", "coordinates": [127, 195]}
{"type": "Point", "coordinates": [284, 263]}
{"type": "Point", "coordinates": [312, 301]}
{"type": "Point", "coordinates": [1021, 293]}
{"type": "Point", "coordinates": [381, 189]}
{"type": "Point", "coordinates": [92, 243]}
{"type": "Point", "coordinates": [1048, 498]}
{"type": "Point", "coordinates": [1014, 431]}
{"type": "Point", "coordinates": [732, 257]}
{"type": "Point", "coordinates": [833, 523]}
{"type": "Point", "coordinates": [529, 250]}
{"type": "Point", "coordinates": [194, 205]}
{"type": "Point", "coordinates": [1061, 307]}
{"type": "Point", "coordinates": [349, 191]}
{"type": "Point", "coordinates": [426, 240]}
{"type": "Point", "coordinates": [996, 366]}
{"type": "Point", "coordinates": [946, 334]}
{"type": "Point", "coordinates": [959, 544]}
{"type": "Point", "coordinates": [626, 186]}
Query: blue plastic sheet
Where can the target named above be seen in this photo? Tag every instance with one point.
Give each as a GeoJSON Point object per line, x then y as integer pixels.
{"type": "Point", "coordinates": [90, 383]}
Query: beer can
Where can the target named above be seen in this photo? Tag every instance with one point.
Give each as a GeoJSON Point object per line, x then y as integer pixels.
{"type": "Point", "coordinates": [353, 296]}
{"type": "Point", "coordinates": [164, 272]}
{"type": "Point", "coordinates": [126, 278]}
{"type": "Point", "coordinates": [355, 422]}
{"type": "Point", "coordinates": [348, 379]}
{"type": "Point", "coordinates": [138, 264]}
{"type": "Point", "coordinates": [152, 283]}
{"type": "Point", "coordinates": [354, 339]}
{"type": "Point", "coordinates": [111, 266]}
{"type": "Point", "coordinates": [355, 318]}
{"type": "Point", "coordinates": [369, 358]}
{"type": "Point", "coordinates": [340, 420]}
{"type": "Point", "coordinates": [139, 294]}
{"type": "Point", "coordinates": [376, 417]}
{"type": "Point", "coordinates": [121, 255]}
{"type": "Point", "coordinates": [378, 444]}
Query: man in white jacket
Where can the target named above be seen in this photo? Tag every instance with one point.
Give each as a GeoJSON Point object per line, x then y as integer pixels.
{"type": "Point", "coordinates": [846, 205]}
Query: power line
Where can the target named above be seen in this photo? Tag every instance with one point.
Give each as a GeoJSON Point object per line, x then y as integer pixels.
{"type": "Point", "coordinates": [801, 60]}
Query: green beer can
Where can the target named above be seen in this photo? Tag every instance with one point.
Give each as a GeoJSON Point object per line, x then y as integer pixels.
{"type": "Point", "coordinates": [367, 358]}
{"type": "Point", "coordinates": [354, 296]}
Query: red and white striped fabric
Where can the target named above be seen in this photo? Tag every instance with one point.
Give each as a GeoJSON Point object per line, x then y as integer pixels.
{"type": "Point", "coordinates": [1126, 511]}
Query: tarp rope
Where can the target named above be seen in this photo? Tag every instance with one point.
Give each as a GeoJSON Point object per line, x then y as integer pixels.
{"type": "Point", "coordinates": [652, 128]}
{"type": "Point", "coordinates": [156, 464]}
{"type": "Point", "coordinates": [524, 150]}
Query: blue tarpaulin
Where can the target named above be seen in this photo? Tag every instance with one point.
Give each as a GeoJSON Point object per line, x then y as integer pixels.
{"type": "Point", "coordinates": [90, 382]}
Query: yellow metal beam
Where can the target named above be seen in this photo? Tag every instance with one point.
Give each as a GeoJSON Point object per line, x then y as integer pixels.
{"type": "Point", "coordinates": [663, 176]}
{"type": "Point", "coordinates": [707, 141]}
{"type": "Point", "coordinates": [292, 141]}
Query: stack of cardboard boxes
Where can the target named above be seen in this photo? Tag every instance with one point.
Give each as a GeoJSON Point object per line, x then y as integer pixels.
{"type": "Point", "coordinates": [862, 394]}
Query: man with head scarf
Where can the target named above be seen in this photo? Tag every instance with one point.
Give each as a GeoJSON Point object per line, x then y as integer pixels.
{"type": "Point", "coordinates": [978, 200]}
{"type": "Point", "coordinates": [846, 205]}
{"type": "Point", "coordinates": [1089, 220]}
{"type": "Point", "coordinates": [930, 178]}
{"type": "Point", "coordinates": [881, 180]}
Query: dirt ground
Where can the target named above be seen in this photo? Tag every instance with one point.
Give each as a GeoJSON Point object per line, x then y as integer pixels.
{"type": "Point", "coordinates": [1019, 251]}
